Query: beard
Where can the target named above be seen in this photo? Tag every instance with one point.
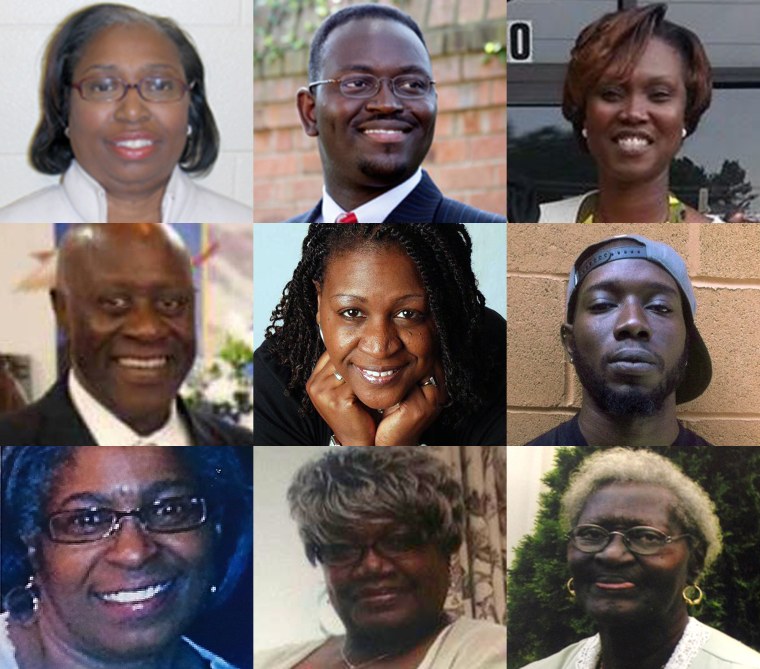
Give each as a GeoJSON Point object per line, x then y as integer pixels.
{"type": "Point", "coordinates": [630, 402]}
{"type": "Point", "coordinates": [388, 171]}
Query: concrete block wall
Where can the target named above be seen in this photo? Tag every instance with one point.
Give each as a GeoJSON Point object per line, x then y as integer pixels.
{"type": "Point", "coordinates": [223, 34]}
{"type": "Point", "coordinates": [724, 266]}
{"type": "Point", "coordinates": [468, 156]}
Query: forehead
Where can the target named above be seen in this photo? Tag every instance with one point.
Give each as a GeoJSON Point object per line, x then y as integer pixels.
{"type": "Point", "coordinates": [117, 471]}
{"type": "Point", "coordinates": [373, 270]}
{"type": "Point", "coordinates": [129, 43]}
{"type": "Point", "coordinates": [658, 60]}
{"type": "Point", "coordinates": [370, 529]}
{"type": "Point", "coordinates": [376, 44]}
{"type": "Point", "coordinates": [629, 275]}
{"type": "Point", "coordinates": [630, 504]}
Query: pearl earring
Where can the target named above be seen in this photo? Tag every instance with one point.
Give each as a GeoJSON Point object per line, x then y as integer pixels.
{"type": "Point", "coordinates": [683, 133]}
{"type": "Point", "coordinates": [584, 132]}
{"type": "Point", "coordinates": [67, 132]}
{"type": "Point", "coordinates": [189, 130]}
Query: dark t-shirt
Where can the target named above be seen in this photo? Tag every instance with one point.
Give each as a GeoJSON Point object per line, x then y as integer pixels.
{"type": "Point", "coordinates": [278, 421]}
{"type": "Point", "coordinates": [569, 434]}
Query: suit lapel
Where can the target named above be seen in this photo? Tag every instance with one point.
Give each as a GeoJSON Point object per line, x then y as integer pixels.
{"type": "Point", "coordinates": [420, 205]}
{"type": "Point", "coordinates": [62, 425]}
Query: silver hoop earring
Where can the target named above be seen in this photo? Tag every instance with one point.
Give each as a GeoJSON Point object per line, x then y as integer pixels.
{"type": "Point", "coordinates": [23, 603]}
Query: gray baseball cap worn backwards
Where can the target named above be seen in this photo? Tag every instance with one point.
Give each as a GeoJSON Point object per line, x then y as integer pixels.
{"type": "Point", "coordinates": [699, 368]}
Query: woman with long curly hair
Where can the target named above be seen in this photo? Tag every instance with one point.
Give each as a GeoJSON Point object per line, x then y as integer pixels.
{"type": "Point", "coordinates": [382, 338]}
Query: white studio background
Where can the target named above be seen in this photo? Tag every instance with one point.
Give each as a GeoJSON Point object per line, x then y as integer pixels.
{"type": "Point", "coordinates": [526, 466]}
{"type": "Point", "coordinates": [277, 250]}
{"type": "Point", "coordinates": [223, 34]}
{"type": "Point", "coordinates": [289, 595]}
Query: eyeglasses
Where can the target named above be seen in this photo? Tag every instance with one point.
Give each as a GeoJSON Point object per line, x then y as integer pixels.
{"type": "Point", "coordinates": [362, 86]}
{"type": "Point", "coordinates": [640, 540]}
{"type": "Point", "coordinates": [393, 546]}
{"type": "Point", "coordinates": [168, 515]}
{"type": "Point", "coordinates": [114, 89]}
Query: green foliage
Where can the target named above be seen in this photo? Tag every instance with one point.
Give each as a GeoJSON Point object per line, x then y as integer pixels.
{"type": "Point", "coordinates": [544, 619]}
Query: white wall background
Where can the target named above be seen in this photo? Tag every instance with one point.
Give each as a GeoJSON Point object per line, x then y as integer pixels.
{"type": "Point", "coordinates": [287, 591]}
{"type": "Point", "coordinates": [223, 34]}
{"type": "Point", "coordinates": [27, 326]}
{"type": "Point", "coordinates": [526, 466]}
{"type": "Point", "coordinates": [277, 250]}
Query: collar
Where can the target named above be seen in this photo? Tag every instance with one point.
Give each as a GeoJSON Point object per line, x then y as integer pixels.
{"type": "Point", "coordinates": [109, 430]}
{"type": "Point", "coordinates": [377, 209]}
{"type": "Point", "coordinates": [88, 198]}
{"type": "Point", "coordinates": [676, 209]}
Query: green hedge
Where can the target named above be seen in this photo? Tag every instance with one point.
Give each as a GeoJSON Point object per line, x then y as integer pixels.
{"type": "Point", "coordinates": [542, 617]}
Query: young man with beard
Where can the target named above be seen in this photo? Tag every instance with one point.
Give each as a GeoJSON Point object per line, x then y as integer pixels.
{"type": "Point", "coordinates": [371, 103]}
{"type": "Point", "coordinates": [631, 336]}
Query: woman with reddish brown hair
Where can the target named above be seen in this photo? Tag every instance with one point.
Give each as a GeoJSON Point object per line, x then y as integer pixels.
{"type": "Point", "coordinates": [636, 87]}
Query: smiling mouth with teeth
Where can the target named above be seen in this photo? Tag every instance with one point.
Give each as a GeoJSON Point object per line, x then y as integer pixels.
{"type": "Point", "coordinates": [633, 143]}
{"type": "Point", "coordinates": [143, 363]}
{"type": "Point", "coordinates": [135, 596]}
{"type": "Point", "coordinates": [379, 131]}
{"type": "Point", "coordinates": [379, 378]}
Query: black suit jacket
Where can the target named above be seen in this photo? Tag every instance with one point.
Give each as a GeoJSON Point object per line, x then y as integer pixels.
{"type": "Point", "coordinates": [425, 204]}
{"type": "Point", "coordinates": [54, 421]}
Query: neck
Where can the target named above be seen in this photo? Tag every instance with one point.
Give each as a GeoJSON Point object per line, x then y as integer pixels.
{"type": "Point", "coordinates": [632, 203]}
{"type": "Point", "coordinates": [133, 208]}
{"type": "Point", "coordinates": [602, 429]}
{"type": "Point", "coordinates": [645, 646]}
{"type": "Point", "coordinates": [360, 648]}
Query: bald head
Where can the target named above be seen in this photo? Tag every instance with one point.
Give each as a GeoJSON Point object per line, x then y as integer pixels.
{"type": "Point", "coordinates": [124, 297]}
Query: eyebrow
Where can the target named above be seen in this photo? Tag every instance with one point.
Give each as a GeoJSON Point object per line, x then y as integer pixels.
{"type": "Point", "coordinates": [363, 300]}
{"type": "Point", "coordinates": [617, 286]}
{"type": "Point", "coordinates": [153, 489]}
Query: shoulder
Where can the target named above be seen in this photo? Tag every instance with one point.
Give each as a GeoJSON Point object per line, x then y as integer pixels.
{"type": "Point", "coordinates": [7, 651]}
{"type": "Point", "coordinates": [224, 431]}
{"type": "Point", "coordinates": [565, 434]}
{"type": "Point", "coordinates": [24, 427]}
{"type": "Point", "coordinates": [453, 211]}
{"type": "Point", "coordinates": [688, 438]}
{"type": "Point", "coordinates": [43, 206]}
{"type": "Point", "coordinates": [285, 657]}
{"type": "Point", "coordinates": [726, 649]}
{"type": "Point", "coordinates": [564, 659]}
{"type": "Point", "coordinates": [469, 644]}
{"type": "Point", "coordinates": [211, 207]}
{"type": "Point", "coordinates": [563, 211]}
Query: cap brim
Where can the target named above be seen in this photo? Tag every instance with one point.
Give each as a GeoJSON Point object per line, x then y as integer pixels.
{"type": "Point", "coordinates": [698, 371]}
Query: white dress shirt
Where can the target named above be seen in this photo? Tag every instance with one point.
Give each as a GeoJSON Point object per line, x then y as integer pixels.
{"type": "Point", "coordinates": [108, 430]}
{"type": "Point", "coordinates": [81, 199]}
{"type": "Point", "coordinates": [377, 209]}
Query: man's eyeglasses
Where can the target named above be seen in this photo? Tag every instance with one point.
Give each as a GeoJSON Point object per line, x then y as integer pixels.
{"type": "Point", "coordinates": [640, 540]}
{"type": "Point", "coordinates": [114, 89]}
{"type": "Point", "coordinates": [393, 546]}
{"type": "Point", "coordinates": [362, 86]}
{"type": "Point", "coordinates": [168, 515]}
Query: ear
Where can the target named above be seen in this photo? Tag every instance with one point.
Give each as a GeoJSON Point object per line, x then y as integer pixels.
{"type": "Point", "coordinates": [58, 301]}
{"type": "Point", "coordinates": [307, 107]}
{"type": "Point", "coordinates": [566, 332]}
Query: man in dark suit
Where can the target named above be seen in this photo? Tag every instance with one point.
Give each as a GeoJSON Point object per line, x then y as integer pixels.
{"type": "Point", "coordinates": [124, 297]}
{"type": "Point", "coordinates": [371, 103]}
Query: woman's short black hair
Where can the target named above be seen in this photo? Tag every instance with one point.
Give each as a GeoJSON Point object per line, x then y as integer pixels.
{"type": "Point", "coordinates": [29, 472]}
{"type": "Point", "coordinates": [50, 151]}
{"type": "Point", "coordinates": [443, 257]}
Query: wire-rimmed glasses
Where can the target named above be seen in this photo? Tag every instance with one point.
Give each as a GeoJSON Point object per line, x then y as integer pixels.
{"type": "Point", "coordinates": [167, 515]}
{"type": "Point", "coordinates": [642, 540]}
{"type": "Point", "coordinates": [114, 89]}
{"type": "Point", "coordinates": [363, 86]}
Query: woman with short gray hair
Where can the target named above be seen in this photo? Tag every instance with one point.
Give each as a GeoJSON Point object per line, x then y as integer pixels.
{"type": "Point", "coordinates": [384, 523]}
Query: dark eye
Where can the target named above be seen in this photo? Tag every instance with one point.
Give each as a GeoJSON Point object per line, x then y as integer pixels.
{"type": "Point", "coordinates": [413, 85]}
{"type": "Point", "coordinates": [86, 521]}
{"type": "Point", "coordinates": [409, 314]}
{"type": "Point", "coordinates": [400, 543]}
{"type": "Point", "coordinates": [611, 94]}
{"type": "Point", "coordinates": [351, 313]}
{"type": "Point", "coordinates": [356, 84]}
{"type": "Point", "coordinates": [600, 307]}
{"type": "Point", "coordinates": [661, 308]}
{"type": "Point", "coordinates": [159, 85]}
{"type": "Point", "coordinates": [590, 534]}
{"type": "Point", "coordinates": [114, 303]}
{"type": "Point", "coordinates": [171, 305]}
{"type": "Point", "coordinates": [644, 535]}
{"type": "Point", "coordinates": [660, 95]}
{"type": "Point", "coordinates": [104, 85]}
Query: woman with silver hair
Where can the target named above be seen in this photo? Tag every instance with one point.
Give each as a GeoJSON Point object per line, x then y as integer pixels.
{"type": "Point", "coordinates": [383, 523]}
{"type": "Point", "coordinates": [641, 534]}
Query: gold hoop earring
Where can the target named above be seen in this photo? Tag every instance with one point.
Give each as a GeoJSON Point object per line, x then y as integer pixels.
{"type": "Point", "coordinates": [569, 587]}
{"type": "Point", "coordinates": [689, 595]}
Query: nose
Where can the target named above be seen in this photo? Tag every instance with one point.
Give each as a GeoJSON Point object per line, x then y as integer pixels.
{"type": "Point", "coordinates": [131, 545]}
{"type": "Point", "coordinates": [144, 322]}
{"type": "Point", "coordinates": [379, 338]}
{"type": "Point", "coordinates": [615, 549]}
{"type": "Point", "coordinates": [132, 108]}
{"type": "Point", "coordinates": [632, 322]}
{"type": "Point", "coordinates": [372, 561]}
{"type": "Point", "coordinates": [385, 99]}
{"type": "Point", "coordinates": [635, 108]}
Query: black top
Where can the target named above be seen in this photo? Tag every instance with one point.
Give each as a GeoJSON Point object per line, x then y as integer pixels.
{"type": "Point", "coordinates": [569, 434]}
{"type": "Point", "coordinates": [278, 421]}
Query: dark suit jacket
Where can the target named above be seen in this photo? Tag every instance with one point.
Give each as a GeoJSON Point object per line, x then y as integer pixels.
{"type": "Point", "coordinates": [425, 204]}
{"type": "Point", "coordinates": [54, 421]}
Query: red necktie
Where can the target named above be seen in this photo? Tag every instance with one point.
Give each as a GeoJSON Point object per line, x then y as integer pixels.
{"type": "Point", "coordinates": [350, 217]}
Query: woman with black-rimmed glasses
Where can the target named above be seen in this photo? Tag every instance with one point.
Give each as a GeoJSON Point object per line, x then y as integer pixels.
{"type": "Point", "coordinates": [641, 535]}
{"type": "Point", "coordinates": [110, 554]}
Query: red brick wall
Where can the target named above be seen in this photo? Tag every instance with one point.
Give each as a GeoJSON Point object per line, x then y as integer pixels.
{"type": "Point", "coordinates": [468, 156]}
